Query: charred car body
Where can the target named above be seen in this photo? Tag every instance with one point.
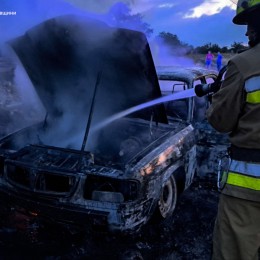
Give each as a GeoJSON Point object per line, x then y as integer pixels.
{"type": "Point", "coordinates": [62, 169]}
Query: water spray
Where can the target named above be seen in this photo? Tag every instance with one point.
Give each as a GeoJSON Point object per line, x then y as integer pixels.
{"type": "Point", "coordinates": [178, 95]}
{"type": "Point", "coordinates": [199, 90]}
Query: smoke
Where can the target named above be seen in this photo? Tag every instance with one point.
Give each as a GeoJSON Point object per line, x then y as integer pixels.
{"type": "Point", "coordinates": [16, 17]}
{"type": "Point", "coordinates": [64, 56]}
{"type": "Point", "coordinates": [163, 55]}
{"type": "Point", "coordinates": [63, 60]}
{"type": "Point", "coordinates": [19, 101]}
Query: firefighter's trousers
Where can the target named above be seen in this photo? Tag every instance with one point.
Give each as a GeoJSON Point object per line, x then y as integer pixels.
{"type": "Point", "coordinates": [237, 229]}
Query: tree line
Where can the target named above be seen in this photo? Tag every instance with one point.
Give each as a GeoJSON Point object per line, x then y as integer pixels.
{"type": "Point", "coordinates": [173, 42]}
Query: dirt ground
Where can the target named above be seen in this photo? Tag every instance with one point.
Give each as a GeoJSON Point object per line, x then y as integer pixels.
{"type": "Point", "coordinates": [189, 236]}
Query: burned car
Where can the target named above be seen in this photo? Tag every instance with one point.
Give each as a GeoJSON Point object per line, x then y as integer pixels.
{"type": "Point", "coordinates": [68, 170]}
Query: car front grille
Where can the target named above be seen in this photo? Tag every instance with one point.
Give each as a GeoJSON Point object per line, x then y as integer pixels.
{"type": "Point", "coordinates": [40, 181]}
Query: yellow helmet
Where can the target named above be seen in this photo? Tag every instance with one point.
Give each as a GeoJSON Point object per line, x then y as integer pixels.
{"type": "Point", "coordinates": [244, 8]}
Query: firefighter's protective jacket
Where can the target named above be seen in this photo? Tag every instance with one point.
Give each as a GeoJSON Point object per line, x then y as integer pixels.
{"type": "Point", "coordinates": [235, 110]}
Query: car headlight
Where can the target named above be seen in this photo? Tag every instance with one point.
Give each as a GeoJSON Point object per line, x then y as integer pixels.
{"type": "Point", "coordinates": [109, 189]}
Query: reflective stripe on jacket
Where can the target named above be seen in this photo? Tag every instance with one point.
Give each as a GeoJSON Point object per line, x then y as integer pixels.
{"type": "Point", "coordinates": [252, 87]}
{"type": "Point", "coordinates": [244, 174]}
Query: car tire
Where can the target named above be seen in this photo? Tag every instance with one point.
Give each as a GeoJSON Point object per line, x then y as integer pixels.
{"type": "Point", "coordinates": [168, 199]}
{"type": "Point", "coordinates": [163, 215]}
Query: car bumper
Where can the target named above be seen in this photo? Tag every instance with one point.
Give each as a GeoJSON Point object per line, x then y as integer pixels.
{"type": "Point", "coordinates": [97, 216]}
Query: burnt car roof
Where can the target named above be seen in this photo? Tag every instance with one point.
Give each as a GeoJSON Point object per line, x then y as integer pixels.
{"type": "Point", "coordinates": [65, 56]}
{"type": "Point", "coordinates": [186, 74]}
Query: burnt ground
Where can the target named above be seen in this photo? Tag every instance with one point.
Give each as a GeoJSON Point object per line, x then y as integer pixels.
{"type": "Point", "coordinates": [188, 237]}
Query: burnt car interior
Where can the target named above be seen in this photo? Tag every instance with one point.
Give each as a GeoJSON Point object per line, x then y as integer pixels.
{"type": "Point", "coordinates": [173, 79]}
{"type": "Point", "coordinates": [176, 109]}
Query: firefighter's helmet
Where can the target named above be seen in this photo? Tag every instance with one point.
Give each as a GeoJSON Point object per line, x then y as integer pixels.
{"type": "Point", "coordinates": [244, 9]}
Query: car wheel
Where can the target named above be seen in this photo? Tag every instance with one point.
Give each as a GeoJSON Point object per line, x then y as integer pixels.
{"type": "Point", "coordinates": [168, 198]}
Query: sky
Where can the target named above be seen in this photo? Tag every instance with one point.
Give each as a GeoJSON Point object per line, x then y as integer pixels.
{"type": "Point", "coordinates": [195, 22]}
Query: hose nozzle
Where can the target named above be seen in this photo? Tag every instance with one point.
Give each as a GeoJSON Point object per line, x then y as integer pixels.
{"type": "Point", "coordinates": [205, 89]}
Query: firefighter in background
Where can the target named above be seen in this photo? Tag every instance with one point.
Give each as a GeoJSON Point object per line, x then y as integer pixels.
{"type": "Point", "coordinates": [219, 61]}
{"type": "Point", "coordinates": [208, 59]}
{"type": "Point", "coordinates": [235, 110]}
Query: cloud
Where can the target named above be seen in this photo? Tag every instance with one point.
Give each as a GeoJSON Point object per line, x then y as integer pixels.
{"type": "Point", "coordinates": [98, 6]}
{"type": "Point", "coordinates": [147, 5]}
{"type": "Point", "coordinates": [209, 8]}
{"type": "Point", "coordinates": [215, 28]}
{"type": "Point", "coordinates": [137, 6]}
{"type": "Point", "coordinates": [167, 5]}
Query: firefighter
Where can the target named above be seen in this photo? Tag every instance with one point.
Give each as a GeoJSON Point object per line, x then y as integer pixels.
{"type": "Point", "coordinates": [235, 110]}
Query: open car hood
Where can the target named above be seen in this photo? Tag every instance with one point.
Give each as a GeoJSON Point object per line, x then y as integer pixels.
{"type": "Point", "coordinates": [67, 56]}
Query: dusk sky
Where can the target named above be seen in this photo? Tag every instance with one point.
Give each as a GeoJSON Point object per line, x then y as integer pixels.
{"type": "Point", "coordinates": [195, 22]}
